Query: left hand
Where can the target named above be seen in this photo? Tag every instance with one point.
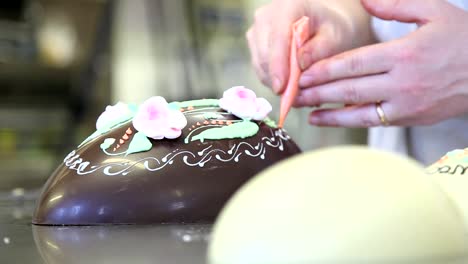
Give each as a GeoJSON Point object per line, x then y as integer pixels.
{"type": "Point", "coordinates": [420, 79]}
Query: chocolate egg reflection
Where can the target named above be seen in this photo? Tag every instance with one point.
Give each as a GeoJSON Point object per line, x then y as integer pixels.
{"type": "Point", "coordinates": [122, 244]}
{"type": "Point", "coordinates": [107, 180]}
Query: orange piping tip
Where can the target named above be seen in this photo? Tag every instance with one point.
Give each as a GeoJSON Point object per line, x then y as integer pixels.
{"type": "Point", "coordinates": [300, 33]}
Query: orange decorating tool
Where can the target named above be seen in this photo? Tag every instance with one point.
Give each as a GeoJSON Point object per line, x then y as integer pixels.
{"type": "Point", "coordinates": [300, 33]}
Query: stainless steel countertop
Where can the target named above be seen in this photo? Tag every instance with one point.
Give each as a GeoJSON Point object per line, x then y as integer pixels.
{"type": "Point", "coordinates": [23, 243]}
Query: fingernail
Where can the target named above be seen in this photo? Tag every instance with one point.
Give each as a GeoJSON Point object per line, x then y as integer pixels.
{"type": "Point", "coordinates": [305, 80]}
{"type": "Point", "coordinates": [276, 85]}
{"type": "Point", "coordinates": [304, 61]}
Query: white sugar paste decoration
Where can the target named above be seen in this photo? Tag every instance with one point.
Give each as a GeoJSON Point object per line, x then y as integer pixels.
{"type": "Point", "coordinates": [200, 153]}
{"type": "Point", "coordinates": [113, 114]}
{"type": "Point", "coordinates": [243, 103]}
{"type": "Point", "coordinates": [74, 162]}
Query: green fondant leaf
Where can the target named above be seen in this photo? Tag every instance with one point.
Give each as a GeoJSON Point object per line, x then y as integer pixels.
{"type": "Point", "coordinates": [242, 129]}
{"type": "Point", "coordinates": [133, 108]}
{"type": "Point", "coordinates": [174, 105]}
{"type": "Point", "coordinates": [209, 115]}
{"type": "Point", "coordinates": [107, 143]}
{"type": "Point", "coordinates": [139, 143]}
{"type": "Point", "coordinates": [270, 122]}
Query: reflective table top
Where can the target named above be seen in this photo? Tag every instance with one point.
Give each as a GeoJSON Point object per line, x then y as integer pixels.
{"type": "Point", "coordinates": [21, 242]}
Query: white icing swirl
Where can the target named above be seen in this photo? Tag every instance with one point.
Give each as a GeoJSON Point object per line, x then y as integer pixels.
{"type": "Point", "coordinates": [192, 159]}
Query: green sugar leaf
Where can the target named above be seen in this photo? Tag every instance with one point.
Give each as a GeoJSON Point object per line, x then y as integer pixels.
{"type": "Point", "coordinates": [242, 129]}
{"type": "Point", "coordinates": [139, 143]}
{"type": "Point", "coordinates": [270, 122]}
{"type": "Point", "coordinates": [210, 115]}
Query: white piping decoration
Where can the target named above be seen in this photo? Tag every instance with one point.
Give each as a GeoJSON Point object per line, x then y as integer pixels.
{"type": "Point", "coordinates": [200, 158]}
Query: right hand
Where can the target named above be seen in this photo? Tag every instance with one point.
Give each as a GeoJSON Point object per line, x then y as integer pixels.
{"type": "Point", "coordinates": [333, 30]}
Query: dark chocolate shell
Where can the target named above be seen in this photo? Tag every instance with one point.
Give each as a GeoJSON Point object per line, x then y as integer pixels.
{"type": "Point", "coordinates": [176, 181]}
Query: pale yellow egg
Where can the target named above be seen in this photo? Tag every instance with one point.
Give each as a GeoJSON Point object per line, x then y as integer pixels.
{"type": "Point", "coordinates": [451, 172]}
{"type": "Point", "coordinates": [340, 205]}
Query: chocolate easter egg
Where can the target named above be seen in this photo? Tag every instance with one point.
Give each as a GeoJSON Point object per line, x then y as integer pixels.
{"type": "Point", "coordinates": [161, 171]}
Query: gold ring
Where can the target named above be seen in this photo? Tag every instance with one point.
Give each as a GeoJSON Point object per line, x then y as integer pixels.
{"type": "Point", "coordinates": [381, 114]}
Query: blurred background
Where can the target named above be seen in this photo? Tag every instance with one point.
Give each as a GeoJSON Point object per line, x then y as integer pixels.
{"type": "Point", "coordinates": [62, 62]}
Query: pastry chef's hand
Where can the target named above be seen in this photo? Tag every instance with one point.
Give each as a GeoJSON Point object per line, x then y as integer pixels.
{"type": "Point", "coordinates": [335, 25]}
{"type": "Point", "coordinates": [420, 79]}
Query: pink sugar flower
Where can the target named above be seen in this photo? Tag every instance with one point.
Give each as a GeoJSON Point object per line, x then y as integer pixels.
{"type": "Point", "coordinates": [243, 103]}
{"type": "Point", "coordinates": [156, 120]}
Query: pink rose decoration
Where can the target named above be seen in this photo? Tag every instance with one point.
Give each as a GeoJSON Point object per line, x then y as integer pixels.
{"type": "Point", "coordinates": [243, 103]}
{"type": "Point", "coordinates": [156, 120]}
{"type": "Point", "coordinates": [113, 114]}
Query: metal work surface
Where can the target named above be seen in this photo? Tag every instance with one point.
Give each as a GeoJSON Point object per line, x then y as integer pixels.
{"type": "Point", "coordinates": [21, 242]}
